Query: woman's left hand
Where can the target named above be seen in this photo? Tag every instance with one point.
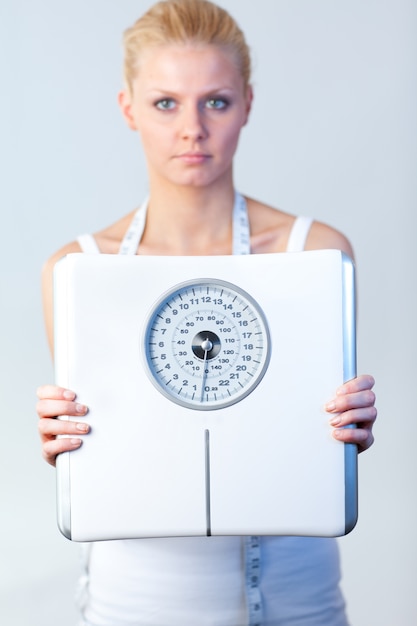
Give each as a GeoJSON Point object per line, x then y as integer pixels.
{"type": "Point", "coordinates": [354, 404]}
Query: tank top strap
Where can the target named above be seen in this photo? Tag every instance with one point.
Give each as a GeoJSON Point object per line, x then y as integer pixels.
{"type": "Point", "coordinates": [88, 244]}
{"type": "Point", "coordinates": [299, 233]}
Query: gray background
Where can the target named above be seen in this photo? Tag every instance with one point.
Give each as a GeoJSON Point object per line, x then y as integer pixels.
{"type": "Point", "coordinates": [332, 134]}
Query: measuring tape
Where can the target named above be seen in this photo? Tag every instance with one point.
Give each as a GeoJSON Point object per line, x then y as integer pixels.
{"type": "Point", "coordinates": [252, 577]}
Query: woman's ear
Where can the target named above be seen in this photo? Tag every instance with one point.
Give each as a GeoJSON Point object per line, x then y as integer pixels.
{"type": "Point", "coordinates": [249, 100]}
{"type": "Point", "coordinates": [125, 103]}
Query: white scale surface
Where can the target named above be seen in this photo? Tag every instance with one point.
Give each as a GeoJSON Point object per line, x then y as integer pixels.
{"type": "Point", "coordinates": [150, 467]}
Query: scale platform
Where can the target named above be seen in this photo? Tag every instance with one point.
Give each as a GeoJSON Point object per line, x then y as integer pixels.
{"type": "Point", "coordinates": [206, 380]}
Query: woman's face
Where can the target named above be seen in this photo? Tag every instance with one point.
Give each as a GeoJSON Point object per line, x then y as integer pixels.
{"type": "Point", "coordinates": [188, 104]}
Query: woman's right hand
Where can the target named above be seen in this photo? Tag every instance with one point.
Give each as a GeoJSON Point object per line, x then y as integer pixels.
{"type": "Point", "coordinates": [54, 401]}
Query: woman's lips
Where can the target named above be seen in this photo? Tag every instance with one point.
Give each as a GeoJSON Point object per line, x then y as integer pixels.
{"type": "Point", "coordinates": [193, 158]}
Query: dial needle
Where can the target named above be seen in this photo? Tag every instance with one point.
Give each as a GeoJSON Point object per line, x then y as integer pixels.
{"type": "Point", "coordinates": [206, 346]}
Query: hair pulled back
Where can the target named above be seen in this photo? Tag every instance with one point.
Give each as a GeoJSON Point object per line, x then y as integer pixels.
{"type": "Point", "coordinates": [182, 22]}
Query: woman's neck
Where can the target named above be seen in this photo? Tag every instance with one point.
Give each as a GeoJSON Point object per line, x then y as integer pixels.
{"type": "Point", "coordinates": [189, 220]}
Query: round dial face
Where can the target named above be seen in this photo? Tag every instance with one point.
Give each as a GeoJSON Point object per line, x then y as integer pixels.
{"type": "Point", "coordinates": [206, 344]}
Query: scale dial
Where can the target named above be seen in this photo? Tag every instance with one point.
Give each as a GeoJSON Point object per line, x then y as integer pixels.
{"type": "Point", "coordinates": [207, 344]}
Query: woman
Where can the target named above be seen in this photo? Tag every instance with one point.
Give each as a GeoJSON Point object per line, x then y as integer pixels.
{"type": "Point", "coordinates": [188, 95]}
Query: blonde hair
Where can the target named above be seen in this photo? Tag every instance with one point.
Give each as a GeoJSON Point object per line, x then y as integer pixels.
{"type": "Point", "coordinates": [182, 22]}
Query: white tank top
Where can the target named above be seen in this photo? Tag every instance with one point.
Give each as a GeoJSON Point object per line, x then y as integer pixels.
{"type": "Point", "coordinates": [208, 581]}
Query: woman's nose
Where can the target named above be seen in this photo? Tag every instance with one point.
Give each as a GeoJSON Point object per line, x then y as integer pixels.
{"type": "Point", "coordinates": [192, 123]}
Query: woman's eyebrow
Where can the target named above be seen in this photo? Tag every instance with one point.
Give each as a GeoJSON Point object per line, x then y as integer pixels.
{"type": "Point", "coordinates": [207, 92]}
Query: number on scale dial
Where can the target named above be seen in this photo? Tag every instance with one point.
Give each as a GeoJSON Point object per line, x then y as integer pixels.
{"type": "Point", "coordinates": [207, 344]}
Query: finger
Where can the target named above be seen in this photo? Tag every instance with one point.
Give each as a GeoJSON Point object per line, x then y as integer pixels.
{"type": "Point", "coordinates": [360, 383]}
{"type": "Point", "coordinates": [53, 408]}
{"type": "Point", "coordinates": [49, 428]}
{"type": "Point", "coordinates": [365, 416]}
{"type": "Point", "coordinates": [53, 447]}
{"type": "Point", "coordinates": [362, 437]}
{"type": "Point", "coordinates": [346, 402]}
{"type": "Point", "coordinates": [53, 392]}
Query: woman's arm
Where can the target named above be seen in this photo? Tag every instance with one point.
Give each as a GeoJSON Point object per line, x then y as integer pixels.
{"type": "Point", "coordinates": [53, 400]}
{"type": "Point", "coordinates": [354, 402]}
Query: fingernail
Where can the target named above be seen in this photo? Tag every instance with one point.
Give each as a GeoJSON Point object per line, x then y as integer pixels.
{"type": "Point", "coordinates": [68, 395]}
{"type": "Point", "coordinates": [75, 443]}
{"type": "Point", "coordinates": [330, 406]}
{"type": "Point", "coordinates": [82, 427]}
{"type": "Point", "coordinates": [80, 408]}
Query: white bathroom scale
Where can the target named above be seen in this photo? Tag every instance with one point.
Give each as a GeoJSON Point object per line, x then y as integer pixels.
{"type": "Point", "coordinates": [206, 380]}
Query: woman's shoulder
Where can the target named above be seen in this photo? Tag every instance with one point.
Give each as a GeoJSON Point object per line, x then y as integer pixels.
{"type": "Point", "coordinates": [271, 228]}
{"type": "Point", "coordinates": [107, 241]}
{"type": "Point", "coordinates": [68, 248]}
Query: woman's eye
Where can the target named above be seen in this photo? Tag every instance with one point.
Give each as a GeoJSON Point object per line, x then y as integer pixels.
{"type": "Point", "coordinates": [166, 104]}
{"type": "Point", "coordinates": [216, 103]}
